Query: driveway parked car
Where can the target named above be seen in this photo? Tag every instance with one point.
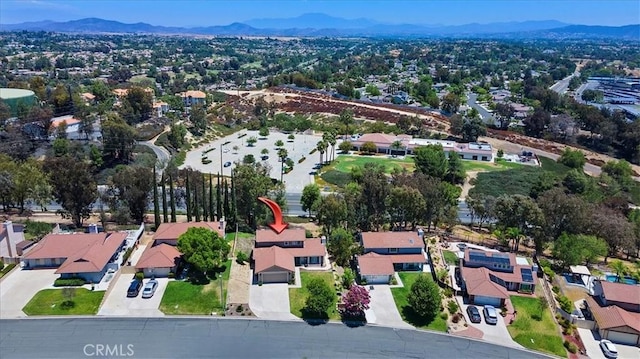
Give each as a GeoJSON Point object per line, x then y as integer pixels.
{"type": "Point", "coordinates": [150, 288]}
{"type": "Point", "coordinates": [490, 314]}
{"type": "Point", "coordinates": [609, 350]}
{"type": "Point", "coordinates": [134, 288]}
{"type": "Point", "coordinates": [474, 314]}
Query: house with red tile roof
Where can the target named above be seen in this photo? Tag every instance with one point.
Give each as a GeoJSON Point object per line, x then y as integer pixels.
{"type": "Point", "coordinates": [404, 251]}
{"type": "Point", "coordinates": [276, 255]}
{"type": "Point", "coordinates": [487, 277]}
{"type": "Point", "coordinates": [623, 295]}
{"type": "Point", "coordinates": [84, 255]}
{"type": "Point", "coordinates": [613, 322]}
{"type": "Point", "coordinates": [162, 256]}
{"type": "Point", "coordinates": [192, 97]}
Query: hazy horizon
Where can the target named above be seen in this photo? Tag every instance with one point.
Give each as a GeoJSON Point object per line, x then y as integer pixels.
{"type": "Point", "coordinates": [210, 13]}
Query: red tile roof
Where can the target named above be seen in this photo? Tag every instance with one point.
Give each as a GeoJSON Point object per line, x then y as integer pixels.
{"type": "Point", "coordinates": [375, 264]}
{"type": "Point", "coordinates": [478, 283]}
{"type": "Point", "coordinates": [613, 316]}
{"type": "Point", "coordinates": [272, 257]}
{"type": "Point", "coordinates": [267, 235]}
{"type": "Point", "coordinates": [391, 240]}
{"type": "Point", "coordinates": [83, 253]}
{"type": "Point", "coordinates": [312, 247]}
{"type": "Point", "coordinates": [161, 256]}
{"type": "Point", "coordinates": [171, 231]}
{"type": "Point", "coordinates": [620, 292]}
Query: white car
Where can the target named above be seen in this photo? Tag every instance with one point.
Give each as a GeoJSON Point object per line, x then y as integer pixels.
{"type": "Point", "coordinates": [490, 316]}
{"type": "Point", "coordinates": [149, 288]}
{"type": "Point", "coordinates": [608, 349]}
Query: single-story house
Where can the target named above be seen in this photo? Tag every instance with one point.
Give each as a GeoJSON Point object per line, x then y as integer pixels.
{"type": "Point", "coordinates": [375, 268]}
{"type": "Point", "coordinates": [162, 255]}
{"type": "Point", "coordinates": [290, 246]}
{"type": "Point", "coordinates": [84, 255]}
{"type": "Point", "coordinates": [614, 323]}
{"type": "Point", "coordinates": [10, 236]}
{"type": "Point", "coordinates": [625, 296]}
{"type": "Point", "coordinates": [159, 261]}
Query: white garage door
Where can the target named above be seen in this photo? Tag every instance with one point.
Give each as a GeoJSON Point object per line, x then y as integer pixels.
{"type": "Point", "coordinates": [481, 300]}
{"type": "Point", "coordinates": [623, 338]}
{"type": "Point", "coordinates": [275, 277]}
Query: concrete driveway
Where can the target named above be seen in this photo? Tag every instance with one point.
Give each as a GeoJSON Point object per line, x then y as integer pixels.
{"type": "Point", "coordinates": [492, 333]}
{"type": "Point", "coordinates": [591, 340]}
{"type": "Point", "coordinates": [18, 287]}
{"type": "Point", "coordinates": [118, 304]}
{"type": "Point", "coordinates": [382, 309]}
{"type": "Point", "coordinates": [271, 301]}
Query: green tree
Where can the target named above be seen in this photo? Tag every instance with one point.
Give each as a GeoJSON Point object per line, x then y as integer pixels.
{"type": "Point", "coordinates": [279, 143]}
{"type": "Point", "coordinates": [346, 118]}
{"type": "Point", "coordinates": [319, 300]}
{"type": "Point", "coordinates": [73, 187]}
{"type": "Point", "coordinates": [133, 186]}
{"type": "Point", "coordinates": [345, 146]}
{"type": "Point", "coordinates": [472, 129]}
{"type": "Point", "coordinates": [172, 199]}
{"type": "Point", "coordinates": [28, 176]}
{"type": "Point", "coordinates": [282, 156]}
{"type": "Point", "coordinates": [310, 197]}
{"type": "Point", "coordinates": [620, 268]}
{"type": "Point", "coordinates": [456, 173]}
{"type": "Point", "coordinates": [572, 158]}
{"type": "Point", "coordinates": [369, 147]}
{"type": "Point", "coordinates": [203, 248]}
{"type": "Point", "coordinates": [118, 139]}
{"type": "Point", "coordinates": [431, 160]}
{"type": "Point", "coordinates": [425, 298]}
{"type": "Point", "coordinates": [198, 117]}
{"type": "Point", "coordinates": [251, 141]}
{"type": "Point", "coordinates": [576, 181]}
{"type": "Point", "coordinates": [137, 106]}
{"type": "Point", "coordinates": [156, 204]}
{"type": "Point", "coordinates": [450, 103]}
{"type": "Point", "coordinates": [405, 205]}
{"type": "Point", "coordinates": [331, 212]}
{"type": "Point", "coordinates": [264, 132]}
{"type": "Point", "coordinates": [341, 247]}
{"type": "Point", "coordinates": [621, 171]}
{"type": "Point", "coordinates": [165, 209]}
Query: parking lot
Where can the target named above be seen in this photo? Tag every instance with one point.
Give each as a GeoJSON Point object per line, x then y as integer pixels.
{"type": "Point", "coordinates": [118, 304]}
{"type": "Point", "coordinates": [18, 287]}
{"type": "Point", "coordinates": [237, 148]}
{"type": "Point", "coordinates": [492, 333]}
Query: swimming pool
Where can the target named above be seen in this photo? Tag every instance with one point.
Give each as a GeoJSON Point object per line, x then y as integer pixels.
{"type": "Point", "coordinates": [626, 280]}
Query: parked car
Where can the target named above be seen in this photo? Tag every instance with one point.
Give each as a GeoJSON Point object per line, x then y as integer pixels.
{"type": "Point", "coordinates": [134, 288]}
{"type": "Point", "coordinates": [150, 288]}
{"type": "Point", "coordinates": [462, 246]}
{"type": "Point", "coordinates": [474, 314]}
{"type": "Point", "coordinates": [227, 164]}
{"type": "Point", "coordinates": [490, 314]}
{"type": "Point", "coordinates": [265, 157]}
{"type": "Point", "coordinates": [609, 350]}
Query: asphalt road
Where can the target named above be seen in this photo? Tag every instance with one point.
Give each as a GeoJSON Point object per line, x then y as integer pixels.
{"type": "Point", "coordinates": [230, 338]}
{"type": "Point", "coordinates": [562, 85]}
{"type": "Point", "coordinates": [486, 116]}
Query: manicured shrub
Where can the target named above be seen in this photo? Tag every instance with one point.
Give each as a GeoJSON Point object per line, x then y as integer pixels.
{"type": "Point", "coordinates": [444, 315]}
{"type": "Point", "coordinates": [126, 256]}
{"type": "Point", "coordinates": [68, 282]}
{"type": "Point", "coordinates": [572, 348]}
{"type": "Point", "coordinates": [452, 306]}
{"type": "Point", "coordinates": [242, 258]}
{"type": "Point", "coordinates": [139, 276]}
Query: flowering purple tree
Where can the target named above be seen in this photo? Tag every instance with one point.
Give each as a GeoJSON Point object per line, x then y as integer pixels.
{"type": "Point", "coordinates": [355, 302]}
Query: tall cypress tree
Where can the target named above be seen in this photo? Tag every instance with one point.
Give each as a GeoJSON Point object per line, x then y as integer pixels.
{"type": "Point", "coordinates": [188, 194]}
{"type": "Point", "coordinates": [227, 207]}
{"type": "Point", "coordinates": [219, 199]}
{"type": "Point", "coordinates": [205, 208]}
{"type": "Point", "coordinates": [196, 198]}
{"type": "Point", "coordinates": [212, 209]}
{"type": "Point", "coordinates": [234, 209]}
{"type": "Point", "coordinates": [156, 205]}
{"type": "Point", "coordinates": [172, 199]}
{"type": "Point", "coordinates": [165, 212]}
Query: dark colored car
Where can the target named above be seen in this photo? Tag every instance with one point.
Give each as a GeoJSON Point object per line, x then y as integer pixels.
{"type": "Point", "coordinates": [265, 157]}
{"type": "Point", "coordinates": [134, 288]}
{"type": "Point", "coordinates": [227, 164]}
{"type": "Point", "coordinates": [474, 314]}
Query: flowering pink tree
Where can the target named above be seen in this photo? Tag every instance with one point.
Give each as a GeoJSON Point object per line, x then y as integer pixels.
{"type": "Point", "coordinates": [355, 302]}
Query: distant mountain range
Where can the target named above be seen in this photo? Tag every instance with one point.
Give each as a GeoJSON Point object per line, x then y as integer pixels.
{"type": "Point", "coordinates": [318, 25]}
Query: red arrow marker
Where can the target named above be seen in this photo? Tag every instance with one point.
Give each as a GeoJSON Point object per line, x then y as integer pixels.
{"type": "Point", "coordinates": [278, 225]}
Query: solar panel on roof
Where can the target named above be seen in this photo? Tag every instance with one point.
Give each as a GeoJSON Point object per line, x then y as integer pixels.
{"type": "Point", "coordinates": [527, 275]}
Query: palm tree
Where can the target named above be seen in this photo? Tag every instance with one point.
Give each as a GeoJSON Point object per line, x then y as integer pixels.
{"type": "Point", "coordinates": [620, 269]}
{"type": "Point", "coordinates": [346, 118]}
{"type": "Point", "coordinates": [332, 141]}
{"type": "Point", "coordinates": [264, 151]}
{"type": "Point", "coordinates": [321, 147]}
{"type": "Point", "coordinates": [515, 235]}
{"type": "Point", "coordinates": [282, 154]}
{"type": "Point", "coordinates": [395, 146]}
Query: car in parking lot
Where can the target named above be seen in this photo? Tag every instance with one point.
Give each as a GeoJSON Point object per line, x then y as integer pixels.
{"type": "Point", "coordinates": [265, 157]}
{"type": "Point", "coordinates": [609, 350]}
{"type": "Point", "coordinates": [149, 288]}
{"type": "Point", "coordinates": [474, 314]}
{"type": "Point", "coordinates": [490, 314]}
{"type": "Point", "coordinates": [134, 288]}
{"type": "Point", "coordinates": [227, 164]}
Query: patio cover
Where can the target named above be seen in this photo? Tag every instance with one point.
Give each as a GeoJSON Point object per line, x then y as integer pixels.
{"type": "Point", "coordinates": [582, 270]}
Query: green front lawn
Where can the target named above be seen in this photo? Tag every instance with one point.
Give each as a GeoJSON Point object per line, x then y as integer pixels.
{"type": "Point", "coordinates": [50, 302]}
{"type": "Point", "coordinates": [400, 297]}
{"type": "Point", "coordinates": [450, 257]}
{"type": "Point", "coordinates": [344, 163]}
{"type": "Point", "coordinates": [298, 296]}
{"type": "Point", "coordinates": [186, 297]}
{"type": "Point", "coordinates": [528, 331]}
{"type": "Point", "coordinates": [470, 165]}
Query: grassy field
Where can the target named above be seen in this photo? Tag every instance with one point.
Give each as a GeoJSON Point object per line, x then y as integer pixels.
{"type": "Point", "coordinates": [252, 65]}
{"type": "Point", "coordinates": [344, 163]}
{"type": "Point", "coordinates": [534, 331]}
{"type": "Point", "coordinates": [450, 257]}
{"type": "Point", "coordinates": [470, 165]}
{"type": "Point", "coordinates": [552, 166]}
{"type": "Point", "coordinates": [400, 297]}
{"type": "Point", "coordinates": [298, 296]}
{"type": "Point", "coordinates": [49, 302]}
{"type": "Point", "coordinates": [512, 181]}
{"type": "Point", "coordinates": [184, 297]}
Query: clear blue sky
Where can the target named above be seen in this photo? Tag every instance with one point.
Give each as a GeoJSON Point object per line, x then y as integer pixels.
{"type": "Point", "coordinates": [189, 13]}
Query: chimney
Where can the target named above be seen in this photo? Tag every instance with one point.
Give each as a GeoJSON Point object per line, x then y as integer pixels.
{"type": "Point", "coordinates": [10, 239]}
{"type": "Point", "coordinates": [93, 228]}
{"type": "Point", "coordinates": [421, 233]}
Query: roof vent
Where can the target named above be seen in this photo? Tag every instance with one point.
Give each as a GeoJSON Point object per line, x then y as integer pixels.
{"type": "Point", "coordinates": [410, 240]}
